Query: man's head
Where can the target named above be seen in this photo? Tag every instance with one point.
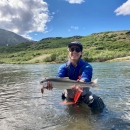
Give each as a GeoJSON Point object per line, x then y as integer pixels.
{"type": "Point", "coordinates": [75, 43]}
{"type": "Point", "coordinates": [75, 51]}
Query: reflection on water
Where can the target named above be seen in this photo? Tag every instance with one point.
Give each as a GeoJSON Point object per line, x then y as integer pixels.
{"type": "Point", "coordinates": [22, 106]}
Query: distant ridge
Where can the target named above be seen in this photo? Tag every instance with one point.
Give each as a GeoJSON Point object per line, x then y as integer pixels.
{"type": "Point", "coordinates": [9, 38]}
{"type": "Point", "coordinates": [98, 47]}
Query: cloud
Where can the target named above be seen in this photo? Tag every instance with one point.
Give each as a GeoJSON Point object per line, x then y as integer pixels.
{"type": "Point", "coordinates": [124, 9]}
{"type": "Point", "coordinates": [73, 28]}
{"type": "Point", "coordinates": [24, 16]}
{"type": "Point", "coordinates": [53, 12]}
{"type": "Point", "coordinates": [75, 1]}
{"type": "Point", "coordinates": [76, 27]}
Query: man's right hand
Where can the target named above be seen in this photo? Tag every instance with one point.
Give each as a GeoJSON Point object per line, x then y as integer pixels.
{"type": "Point", "coordinates": [77, 88]}
{"type": "Point", "coordinates": [48, 87]}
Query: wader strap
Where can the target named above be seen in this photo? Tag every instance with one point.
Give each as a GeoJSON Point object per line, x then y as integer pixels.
{"type": "Point", "coordinates": [68, 69]}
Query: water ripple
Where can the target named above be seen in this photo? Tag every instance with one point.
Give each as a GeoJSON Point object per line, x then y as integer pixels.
{"type": "Point", "coordinates": [22, 106]}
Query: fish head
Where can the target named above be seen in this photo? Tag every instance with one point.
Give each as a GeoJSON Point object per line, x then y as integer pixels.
{"type": "Point", "coordinates": [44, 81]}
{"type": "Point", "coordinates": [41, 82]}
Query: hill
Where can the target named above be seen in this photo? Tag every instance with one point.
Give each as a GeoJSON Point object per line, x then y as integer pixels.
{"type": "Point", "coordinates": [9, 38]}
{"type": "Point", "coordinates": [98, 47]}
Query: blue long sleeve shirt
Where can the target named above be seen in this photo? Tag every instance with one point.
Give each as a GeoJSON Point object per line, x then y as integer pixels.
{"type": "Point", "coordinates": [82, 71]}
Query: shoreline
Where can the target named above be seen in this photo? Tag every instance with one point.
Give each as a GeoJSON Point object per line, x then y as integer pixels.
{"type": "Point", "coordinates": [127, 58]}
{"type": "Point", "coordinates": [39, 60]}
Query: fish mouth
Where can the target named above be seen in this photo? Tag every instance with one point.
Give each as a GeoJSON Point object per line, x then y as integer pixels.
{"type": "Point", "coordinates": [41, 82]}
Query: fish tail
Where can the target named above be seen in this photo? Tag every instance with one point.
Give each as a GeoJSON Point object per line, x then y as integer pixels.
{"type": "Point", "coordinates": [94, 83]}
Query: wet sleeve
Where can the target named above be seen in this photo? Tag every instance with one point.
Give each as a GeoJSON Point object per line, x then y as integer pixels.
{"type": "Point", "coordinates": [87, 73]}
{"type": "Point", "coordinates": [62, 71]}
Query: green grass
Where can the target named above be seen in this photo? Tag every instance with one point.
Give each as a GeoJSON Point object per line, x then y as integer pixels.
{"type": "Point", "coordinates": [97, 47]}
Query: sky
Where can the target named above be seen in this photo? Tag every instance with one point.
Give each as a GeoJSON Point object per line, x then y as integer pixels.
{"type": "Point", "coordinates": [38, 19]}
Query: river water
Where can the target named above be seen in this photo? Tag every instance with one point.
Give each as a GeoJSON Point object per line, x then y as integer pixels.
{"type": "Point", "coordinates": [22, 106]}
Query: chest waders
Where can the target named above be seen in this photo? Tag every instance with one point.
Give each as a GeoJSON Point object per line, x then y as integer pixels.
{"type": "Point", "coordinates": [93, 101]}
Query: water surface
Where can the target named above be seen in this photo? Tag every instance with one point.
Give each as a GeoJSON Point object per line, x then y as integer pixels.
{"type": "Point", "coordinates": [22, 106]}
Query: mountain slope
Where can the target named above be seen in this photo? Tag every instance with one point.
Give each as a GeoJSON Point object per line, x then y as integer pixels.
{"type": "Point", "coordinates": [98, 47]}
{"type": "Point", "coordinates": [9, 38]}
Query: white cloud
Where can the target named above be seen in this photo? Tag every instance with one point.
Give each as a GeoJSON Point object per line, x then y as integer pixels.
{"type": "Point", "coordinates": [76, 28]}
{"type": "Point", "coordinates": [75, 1]}
{"type": "Point", "coordinates": [124, 9]}
{"type": "Point", "coordinates": [28, 37]}
{"type": "Point", "coordinates": [24, 16]}
{"type": "Point", "coordinates": [53, 12]}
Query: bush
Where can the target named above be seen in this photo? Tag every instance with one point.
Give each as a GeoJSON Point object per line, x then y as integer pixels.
{"type": "Point", "coordinates": [50, 58]}
{"type": "Point", "coordinates": [37, 61]}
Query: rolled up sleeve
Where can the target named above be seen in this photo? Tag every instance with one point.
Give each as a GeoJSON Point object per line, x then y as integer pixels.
{"type": "Point", "coordinates": [87, 73]}
{"type": "Point", "coordinates": [62, 71]}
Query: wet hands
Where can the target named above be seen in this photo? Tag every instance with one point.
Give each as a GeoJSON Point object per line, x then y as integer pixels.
{"type": "Point", "coordinates": [77, 88]}
{"type": "Point", "coordinates": [48, 86]}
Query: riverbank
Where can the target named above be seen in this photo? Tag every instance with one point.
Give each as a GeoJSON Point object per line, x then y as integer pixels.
{"type": "Point", "coordinates": [99, 47]}
{"type": "Point", "coordinates": [41, 58]}
{"type": "Point", "coordinates": [127, 58]}
{"type": "Point", "coordinates": [38, 59]}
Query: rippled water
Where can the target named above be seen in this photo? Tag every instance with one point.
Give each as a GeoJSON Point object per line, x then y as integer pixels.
{"type": "Point", "coordinates": [22, 106]}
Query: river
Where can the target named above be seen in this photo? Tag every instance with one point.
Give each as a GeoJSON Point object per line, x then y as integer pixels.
{"type": "Point", "coordinates": [22, 106]}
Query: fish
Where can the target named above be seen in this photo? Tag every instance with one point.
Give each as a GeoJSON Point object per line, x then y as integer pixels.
{"type": "Point", "coordinates": [66, 83]}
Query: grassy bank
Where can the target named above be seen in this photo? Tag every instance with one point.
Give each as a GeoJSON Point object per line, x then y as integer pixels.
{"type": "Point", "coordinates": [58, 55]}
{"type": "Point", "coordinates": [98, 47]}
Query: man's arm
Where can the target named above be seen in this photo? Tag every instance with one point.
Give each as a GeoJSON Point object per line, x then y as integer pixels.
{"type": "Point", "coordinates": [86, 75]}
{"type": "Point", "coordinates": [62, 71]}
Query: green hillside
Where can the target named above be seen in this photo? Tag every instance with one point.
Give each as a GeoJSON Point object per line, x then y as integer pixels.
{"type": "Point", "coordinates": [8, 38]}
{"type": "Point", "coordinates": [97, 47]}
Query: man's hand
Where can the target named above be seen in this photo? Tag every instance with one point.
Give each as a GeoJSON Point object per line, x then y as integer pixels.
{"type": "Point", "coordinates": [77, 88]}
{"type": "Point", "coordinates": [48, 87]}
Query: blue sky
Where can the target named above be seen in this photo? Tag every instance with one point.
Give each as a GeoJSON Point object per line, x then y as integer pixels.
{"type": "Point", "coordinates": [37, 19]}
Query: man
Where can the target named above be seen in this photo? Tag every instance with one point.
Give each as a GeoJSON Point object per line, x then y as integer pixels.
{"type": "Point", "coordinates": [77, 69]}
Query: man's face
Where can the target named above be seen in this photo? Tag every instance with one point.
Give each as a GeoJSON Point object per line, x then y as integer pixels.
{"type": "Point", "coordinates": [75, 52]}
